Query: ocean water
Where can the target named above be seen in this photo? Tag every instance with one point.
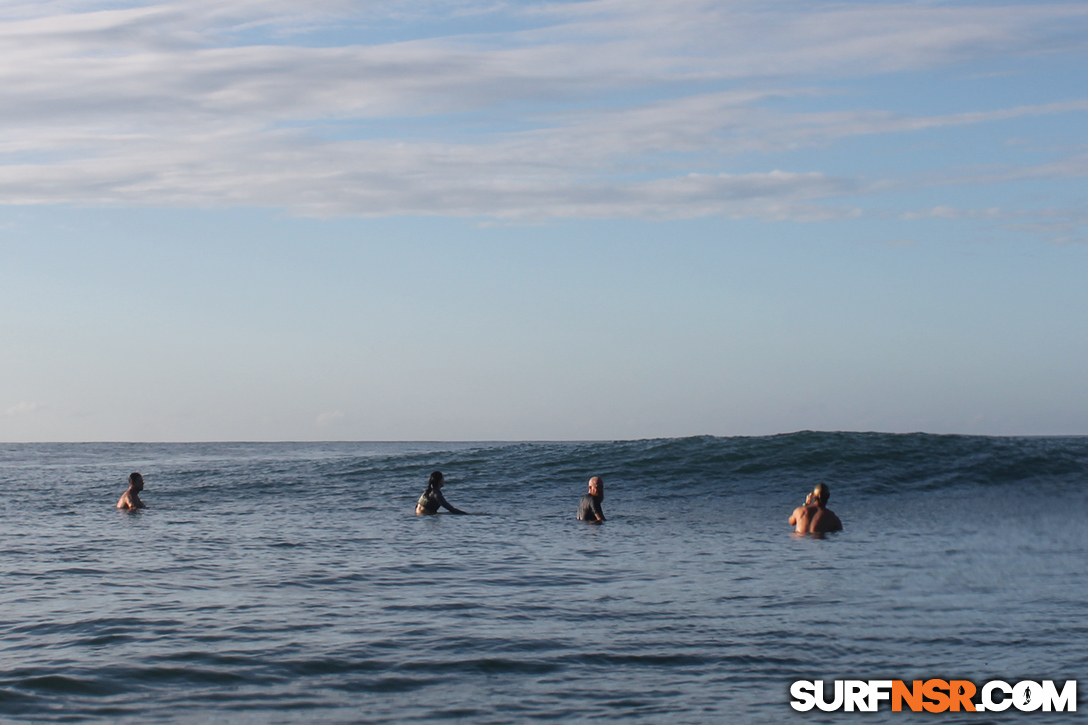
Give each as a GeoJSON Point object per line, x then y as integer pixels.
{"type": "Point", "coordinates": [291, 582]}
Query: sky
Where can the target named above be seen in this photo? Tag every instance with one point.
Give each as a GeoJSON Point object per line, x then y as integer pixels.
{"type": "Point", "coordinates": [492, 220]}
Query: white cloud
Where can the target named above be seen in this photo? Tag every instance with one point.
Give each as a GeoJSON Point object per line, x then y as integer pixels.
{"type": "Point", "coordinates": [23, 408]}
{"type": "Point", "coordinates": [575, 111]}
{"type": "Point", "coordinates": [1055, 225]}
{"type": "Point", "coordinates": [326, 419]}
{"type": "Point", "coordinates": [1058, 226]}
{"type": "Point", "coordinates": [373, 178]}
{"type": "Point", "coordinates": [948, 212]}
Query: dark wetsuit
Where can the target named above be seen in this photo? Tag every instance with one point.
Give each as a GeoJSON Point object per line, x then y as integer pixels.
{"type": "Point", "coordinates": [589, 508]}
{"type": "Point", "coordinates": [432, 498]}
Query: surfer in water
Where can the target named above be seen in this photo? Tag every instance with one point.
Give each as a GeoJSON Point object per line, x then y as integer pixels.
{"type": "Point", "coordinates": [130, 499]}
{"type": "Point", "coordinates": [589, 508]}
{"type": "Point", "coordinates": [814, 517]}
{"type": "Point", "coordinates": [432, 498]}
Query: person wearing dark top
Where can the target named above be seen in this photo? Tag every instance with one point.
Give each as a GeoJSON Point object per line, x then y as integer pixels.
{"type": "Point", "coordinates": [432, 498]}
{"type": "Point", "coordinates": [589, 508]}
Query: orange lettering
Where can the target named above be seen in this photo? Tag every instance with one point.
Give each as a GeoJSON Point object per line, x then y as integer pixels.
{"type": "Point", "coordinates": [913, 696]}
{"type": "Point", "coordinates": [932, 690]}
{"type": "Point", "coordinates": [961, 692]}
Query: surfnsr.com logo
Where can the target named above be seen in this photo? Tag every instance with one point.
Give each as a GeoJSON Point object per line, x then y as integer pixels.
{"type": "Point", "coordinates": [935, 696]}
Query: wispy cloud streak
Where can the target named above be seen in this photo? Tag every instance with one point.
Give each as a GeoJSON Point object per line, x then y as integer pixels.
{"type": "Point", "coordinates": [592, 109]}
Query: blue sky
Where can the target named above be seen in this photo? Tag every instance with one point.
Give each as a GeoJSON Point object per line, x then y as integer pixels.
{"type": "Point", "coordinates": [573, 220]}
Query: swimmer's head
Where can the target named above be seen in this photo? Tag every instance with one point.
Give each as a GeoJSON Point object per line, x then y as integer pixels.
{"type": "Point", "coordinates": [437, 480]}
{"type": "Point", "coordinates": [596, 486]}
{"type": "Point", "coordinates": [136, 481]}
{"type": "Point", "coordinates": [821, 493]}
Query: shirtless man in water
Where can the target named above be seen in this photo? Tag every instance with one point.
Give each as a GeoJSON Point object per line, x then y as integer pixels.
{"type": "Point", "coordinates": [813, 517]}
{"type": "Point", "coordinates": [130, 499]}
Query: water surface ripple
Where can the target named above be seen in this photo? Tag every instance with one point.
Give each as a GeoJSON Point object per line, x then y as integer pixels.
{"type": "Point", "coordinates": [286, 583]}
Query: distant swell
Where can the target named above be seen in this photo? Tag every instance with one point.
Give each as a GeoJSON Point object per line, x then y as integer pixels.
{"type": "Point", "coordinates": [866, 463]}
